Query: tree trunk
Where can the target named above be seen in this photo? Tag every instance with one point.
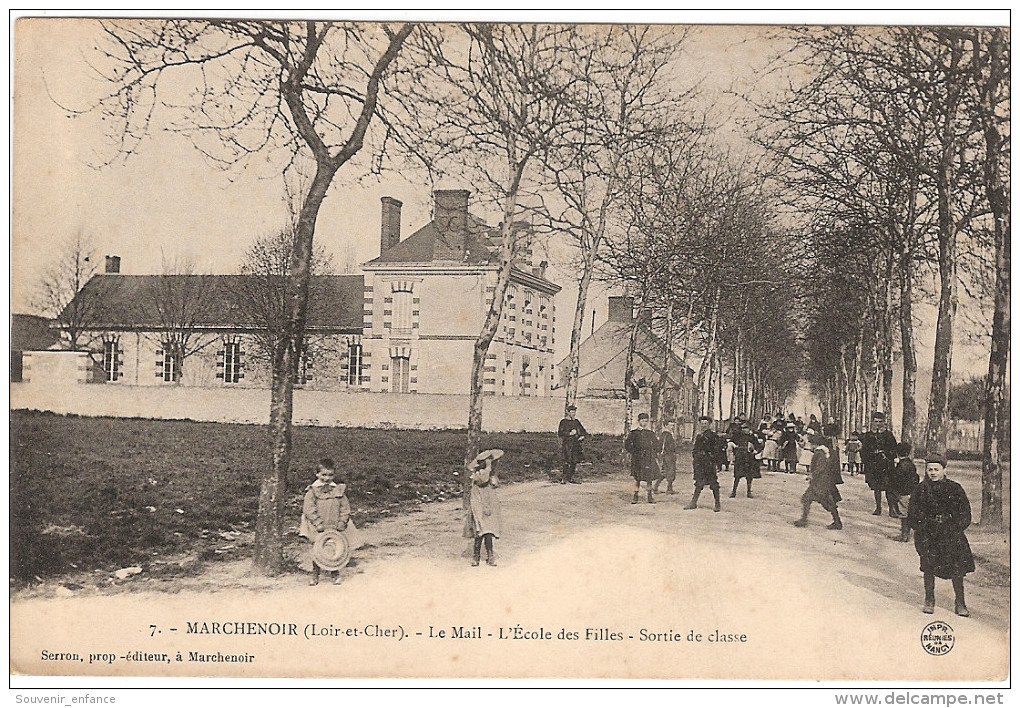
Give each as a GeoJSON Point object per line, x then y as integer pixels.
{"type": "Point", "coordinates": [686, 351]}
{"type": "Point", "coordinates": [995, 381]}
{"type": "Point", "coordinates": [268, 552]}
{"type": "Point", "coordinates": [628, 376]}
{"type": "Point", "coordinates": [490, 326]}
{"type": "Point", "coordinates": [667, 346]}
{"type": "Point", "coordinates": [718, 363]}
{"type": "Point", "coordinates": [735, 378]}
{"type": "Point", "coordinates": [908, 421]}
{"type": "Point", "coordinates": [711, 358]}
{"type": "Point", "coordinates": [942, 369]}
{"type": "Point", "coordinates": [577, 331]}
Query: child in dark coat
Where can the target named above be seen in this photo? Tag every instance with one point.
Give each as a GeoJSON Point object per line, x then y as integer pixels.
{"type": "Point", "coordinates": [939, 513]}
{"type": "Point", "coordinates": [904, 483]}
{"type": "Point", "coordinates": [822, 485]}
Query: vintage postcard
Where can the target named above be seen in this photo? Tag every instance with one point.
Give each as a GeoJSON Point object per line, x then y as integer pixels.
{"type": "Point", "coordinates": [501, 350]}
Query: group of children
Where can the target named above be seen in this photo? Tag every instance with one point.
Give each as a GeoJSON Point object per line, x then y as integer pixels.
{"type": "Point", "coordinates": [936, 509]}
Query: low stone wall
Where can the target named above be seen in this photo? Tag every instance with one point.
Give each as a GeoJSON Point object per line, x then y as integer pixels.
{"type": "Point", "coordinates": [323, 408]}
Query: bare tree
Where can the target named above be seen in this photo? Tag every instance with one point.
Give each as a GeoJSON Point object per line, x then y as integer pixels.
{"type": "Point", "coordinates": [494, 104]}
{"type": "Point", "coordinates": [294, 91]}
{"type": "Point", "coordinates": [178, 305]}
{"type": "Point", "coordinates": [620, 95]}
{"type": "Point", "coordinates": [991, 61]}
{"type": "Point", "coordinates": [261, 294]}
{"type": "Point", "coordinates": [61, 293]}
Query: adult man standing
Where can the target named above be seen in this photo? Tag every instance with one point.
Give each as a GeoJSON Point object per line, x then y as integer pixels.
{"type": "Point", "coordinates": [571, 434]}
{"type": "Point", "coordinates": [706, 468]}
{"type": "Point", "coordinates": [643, 447]}
{"type": "Point", "coordinates": [878, 448]}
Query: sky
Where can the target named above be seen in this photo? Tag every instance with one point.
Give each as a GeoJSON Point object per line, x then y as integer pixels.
{"type": "Point", "coordinates": [168, 202]}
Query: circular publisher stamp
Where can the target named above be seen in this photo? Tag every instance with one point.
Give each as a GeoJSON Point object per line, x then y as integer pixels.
{"type": "Point", "coordinates": [937, 638]}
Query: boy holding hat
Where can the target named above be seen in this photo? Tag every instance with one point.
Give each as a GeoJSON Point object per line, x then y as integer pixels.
{"type": "Point", "coordinates": [643, 447]}
{"type": "Point", "coordinates": [485, 519]}
{"type": "Point", "coordinates": [571, 434]}
{"type": "Point", "coordinates": [939, 513]}
{"type": "Point", "coordinates": [325, 507]}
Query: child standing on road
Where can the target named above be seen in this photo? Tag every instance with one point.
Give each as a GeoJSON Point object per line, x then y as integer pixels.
{"type": "Point", "coordinates": [485, 518]}
{"type": "Point", "coordinates": [903, 484]}
{"type": "Point", "coordinates": [939, 513]}
{"type": "Point", "coordinates": [325, 507]}
{"type": "Point", "coordinates": [853, 453]}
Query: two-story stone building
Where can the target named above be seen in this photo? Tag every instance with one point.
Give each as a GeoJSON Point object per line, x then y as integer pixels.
{"type": "Point", "coordinates": [426, 298]}
{"type": "Point", "coordinates": [407, 325]}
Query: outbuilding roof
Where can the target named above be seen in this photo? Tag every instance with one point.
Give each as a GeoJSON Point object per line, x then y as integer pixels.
{"type": "Point", "coordinates": [335, 302]}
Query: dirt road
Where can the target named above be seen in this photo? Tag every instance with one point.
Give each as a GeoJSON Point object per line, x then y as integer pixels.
{"type": "Point", "coordinates": [588, 585]}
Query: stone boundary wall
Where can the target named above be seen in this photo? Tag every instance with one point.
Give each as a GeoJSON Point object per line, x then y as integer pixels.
{"type": "Point", "coordinates": [321, 408]}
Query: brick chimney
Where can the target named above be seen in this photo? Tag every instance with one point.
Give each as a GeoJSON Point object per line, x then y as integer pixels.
{"type": "Point", "coordinates": [113, 264]}
{"type": "Point", "coordinates": [621, 309]}
{"type": "Point", "coordinates": [390, 229]}
{"type": "Point", "coordinates": [451, 210]}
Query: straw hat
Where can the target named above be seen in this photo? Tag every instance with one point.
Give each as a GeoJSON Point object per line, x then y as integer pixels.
{"type": "Point", "coordinates": [332, 550]}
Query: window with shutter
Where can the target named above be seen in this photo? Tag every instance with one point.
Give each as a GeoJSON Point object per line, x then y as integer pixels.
{"type": "Point", "coordinates": [230, 362]}
{"type": "Point", "coordinates": [113, 358]}
{"type": "Point", "coordinates": [355, 362]}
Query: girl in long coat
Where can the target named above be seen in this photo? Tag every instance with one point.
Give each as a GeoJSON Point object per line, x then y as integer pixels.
{"type": "Point", "coordinates": [485, 515]}
{"type": "Point", "coordinates": [822, 485]}
{"type": "Point", "coordinates": [939, 513]}
{"type": "Point", "coordinates": [745, 463]}
{"type": "Point", "coordinates": [788, 448]}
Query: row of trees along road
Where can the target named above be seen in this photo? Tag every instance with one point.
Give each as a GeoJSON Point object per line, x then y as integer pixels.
{"type": "Point", "coordinates": [894, 148]}
{"type": "Point", "coordinates": [582, 130]}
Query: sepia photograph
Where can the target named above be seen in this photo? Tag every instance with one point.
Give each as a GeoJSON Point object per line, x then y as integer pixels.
{"type": "Point", "coordinates": [602, 351]}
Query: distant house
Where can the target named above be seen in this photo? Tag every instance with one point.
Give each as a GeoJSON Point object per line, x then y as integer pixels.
{"type": "Point", "coordinates": [29, 333]}
{"type": "Point", "coordinates": [603, 364]}
{"type": "Point", "coordinates": [407, 325]}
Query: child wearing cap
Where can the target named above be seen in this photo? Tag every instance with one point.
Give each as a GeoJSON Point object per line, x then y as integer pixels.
{"type": "Point", "coordinates": [788, 447]}
{"type": "Point", "coordinates": [325, 507]}
{"type": "Point", "coordinates": [706, 463]}
{"type": "Point", "coordinates": [643, 447]}
{"type": "Point", "coordinates": [571, 434]}
{"type": "Point", "coordinates": [902, 485]}
{"type": "Point", "coordinates": [939, 513]}
{"type": "Point", "coordinates": [485, 518]}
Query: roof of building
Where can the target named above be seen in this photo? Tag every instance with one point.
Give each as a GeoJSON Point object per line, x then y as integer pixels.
{"type": "Point", "coordinates": [432, 243]}
{"type": "Point", "coordinates": [335, 302]}
{"type": "Point", "coordinates": [603, 359]}
{"type": "Point", "coordinates": [32, 333]}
